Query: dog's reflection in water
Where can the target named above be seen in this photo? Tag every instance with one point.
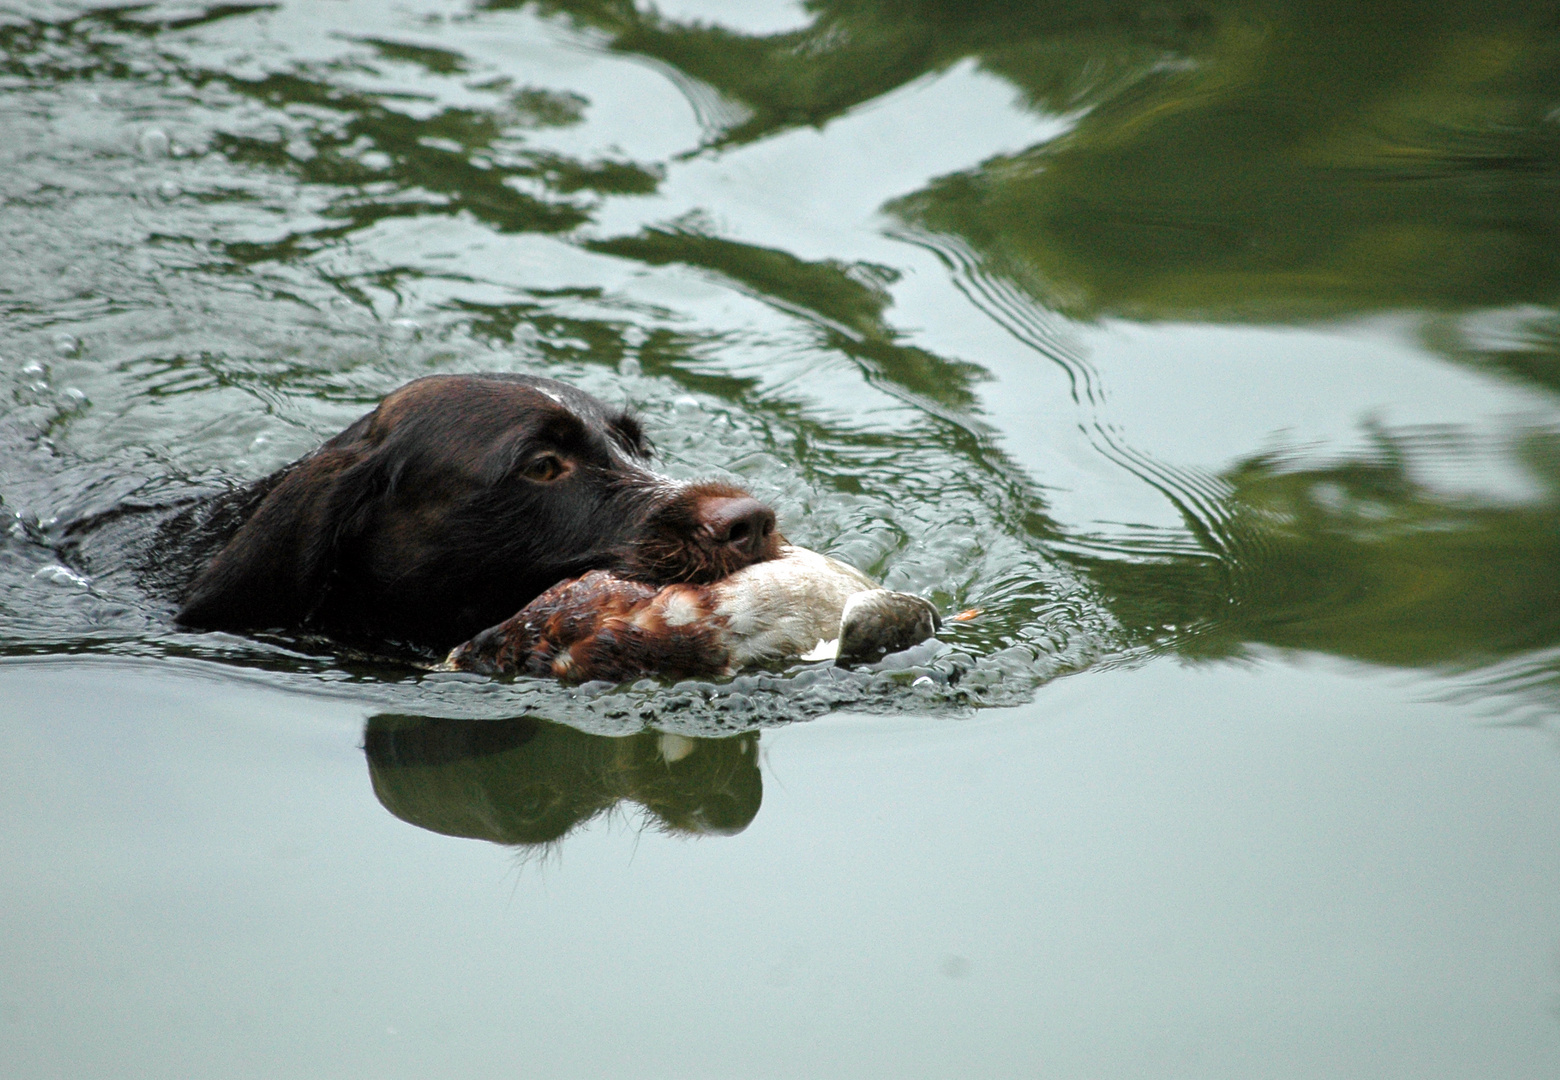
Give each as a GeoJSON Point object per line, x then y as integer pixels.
{"type": "Point", "coordinates": [530, 782]}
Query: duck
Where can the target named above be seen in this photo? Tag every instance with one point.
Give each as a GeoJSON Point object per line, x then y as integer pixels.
{"type": "Point", "coordinates": [799, 605]}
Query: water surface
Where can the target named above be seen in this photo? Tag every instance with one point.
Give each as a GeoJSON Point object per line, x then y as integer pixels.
{"type": "Point", "coordinates": [1208, 350]}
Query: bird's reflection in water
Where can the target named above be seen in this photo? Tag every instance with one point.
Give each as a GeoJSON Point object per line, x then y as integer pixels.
{"type": "Point", "coordinates": [529, 782]}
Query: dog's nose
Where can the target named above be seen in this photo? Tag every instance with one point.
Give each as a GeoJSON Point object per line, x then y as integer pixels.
{"type": "Point", "coordinates": [740, 523]}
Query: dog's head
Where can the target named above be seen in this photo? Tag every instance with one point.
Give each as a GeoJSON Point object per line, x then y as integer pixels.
{"type": "Point", "coordinates": [458, 500]}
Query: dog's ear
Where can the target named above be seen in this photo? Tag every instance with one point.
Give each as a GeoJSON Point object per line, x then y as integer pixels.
{"type": "Point", "coordinates": [275, 569]}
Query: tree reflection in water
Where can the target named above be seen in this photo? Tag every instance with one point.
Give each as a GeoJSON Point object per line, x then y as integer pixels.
{"type": "Point", "coordinates": [1250, 162]}
{"type": "Point", "coordinates": [1242, 161]}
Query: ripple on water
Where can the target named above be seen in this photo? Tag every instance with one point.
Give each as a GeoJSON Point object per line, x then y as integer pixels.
{"type": "Point", "coordinates": [270, 252]}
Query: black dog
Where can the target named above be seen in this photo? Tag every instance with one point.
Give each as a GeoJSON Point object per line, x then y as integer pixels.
{"type": "Point", "coordinates": [451, 506]}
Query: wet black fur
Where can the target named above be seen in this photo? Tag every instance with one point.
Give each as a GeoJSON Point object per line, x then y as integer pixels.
{"type": "Point", "coordinates": [417, 524]}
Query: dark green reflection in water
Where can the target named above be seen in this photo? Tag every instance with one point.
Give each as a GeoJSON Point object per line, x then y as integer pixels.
{"type": "Point", "coordinates": [1267, 160]}
{"type": "Point", "coordinates": [1260, 162]}
{"type": "Point", "coordinates": [1063, 55]}
{"type": "Point", "coordinates": [1358, 559]}
{"type": "Point", "coordinates": [529, 782]}
{"type": "Point", "coordinates": [1239, 161]}
{"type": "Point", "coordinates": [1314, 160]}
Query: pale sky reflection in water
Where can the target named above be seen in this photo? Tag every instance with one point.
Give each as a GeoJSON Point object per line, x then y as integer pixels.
{"type": "Point", "coordinates": [1137, 875]}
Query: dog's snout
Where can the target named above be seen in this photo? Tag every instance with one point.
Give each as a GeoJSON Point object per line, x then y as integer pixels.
{"type": "Point", "coordinates": [741, 523]}
{"type": "Point", "coordinates": [703, 533]}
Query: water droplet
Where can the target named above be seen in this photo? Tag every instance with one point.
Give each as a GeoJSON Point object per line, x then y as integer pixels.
{"type": "Point", "coordinates": [686, 404]}
{"type": "Point", "coordinates": [60, 575]}
{"type": "Point", "coordinates": [169, 190]}
{"type": "Point", "coordinates": [634, 337]}
{"type": "Point", "coordinates": [73, 396]}
{"type": "Point", "coordinates": [154, 143]}
{"type": "Point", "coordinates": [32, 369]}
{"type": "Point", "coordinates": [66, 345]}
{"type": "Point", "coordinates": [629, 367]}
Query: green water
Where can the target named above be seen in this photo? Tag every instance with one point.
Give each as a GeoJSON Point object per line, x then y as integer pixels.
{"type": "Point", "coordinates": [1210, 351]}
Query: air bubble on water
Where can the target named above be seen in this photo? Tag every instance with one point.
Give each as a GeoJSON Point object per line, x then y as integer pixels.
{"type": "Point", "coordinates": [56, 574]}
{"type": "Point", "coordinates": [634, 337]}
{"type": "Point", "coordinates": [73, 396]}
{"type": "Point", "coordinates": [33, 369]}
{"type": "Point", "coordinates": [66, 345]}
{"type": "Point", "coordinates": [154, 143]}
{"type": "Point", "coordinates": [629, 367]}
{"type": "Point", "coordinates": [169, 190]}
{"type": "Point", "coordinates": [686, 404]}
{"type": "Point", "coordinates": [259, 442]}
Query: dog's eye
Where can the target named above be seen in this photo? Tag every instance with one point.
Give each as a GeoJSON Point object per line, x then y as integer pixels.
{"type": "Point", "coordinates": [544, 468]}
